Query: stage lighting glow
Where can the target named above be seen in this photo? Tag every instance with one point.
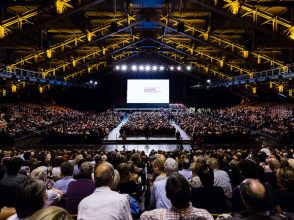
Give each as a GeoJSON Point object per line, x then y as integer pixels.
{"type": "Point", "coordinates": [91, 81]}
{"type": "Point", "coordinates": [188, 68]}
{"type": "Point", "coordinates": [154, 68]}
{"type": "Point", "coordinates": [117, 67]}
{"type": "Point", "coordinates": [161, 68]}
{"type": "Point", "coordinates": [134, 68]}
{"type": "Point", "coordinates": [178, 68]}
{"type": "Point", "coordinates": [141, 67]}
{"type": "Point", "coordinates": [208, 80]}
{"type": "Point", "coordinates": [96, 83]}
{"type": "Point", "coordinates": [124, 67]}
{"type": "Point", "coordinates": [147, 68]}
{"type": "Point", "coordinates": [171, 68]}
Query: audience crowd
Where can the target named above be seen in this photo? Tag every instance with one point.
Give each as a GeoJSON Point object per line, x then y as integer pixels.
{"type": "Point", "coordinates": [195, 184]}
{"type": "Point", "coordinates": [148, 123]}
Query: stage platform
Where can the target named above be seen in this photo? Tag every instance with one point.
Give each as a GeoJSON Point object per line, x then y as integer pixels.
{"type": "Point", "coordinates": [114, 137]}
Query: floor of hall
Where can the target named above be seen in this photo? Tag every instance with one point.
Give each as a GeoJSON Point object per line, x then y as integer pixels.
{"type": "Point", "coordinates": [114, 134]}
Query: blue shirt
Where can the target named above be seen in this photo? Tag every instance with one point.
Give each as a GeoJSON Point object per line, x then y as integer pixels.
{"type": "Point", "coordinates": [158, 195]}
{"type": "Point", "coordinates": [63, 183]}
{"type": "Point", "coordinates": [186, 173]}
{"type": "Point", "coordinates": [76, 170]}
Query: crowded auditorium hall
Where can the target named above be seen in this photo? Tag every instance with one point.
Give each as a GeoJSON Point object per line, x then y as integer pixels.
{"type": "Point", "coordinates": [146, 110]}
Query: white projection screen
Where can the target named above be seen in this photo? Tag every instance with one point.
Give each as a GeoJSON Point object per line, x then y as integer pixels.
{"type": "Point", "coordinates": [148, 91]}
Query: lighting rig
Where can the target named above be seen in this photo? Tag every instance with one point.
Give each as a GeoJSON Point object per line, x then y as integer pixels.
{"type": "Point", "coordinates": [148, 68]}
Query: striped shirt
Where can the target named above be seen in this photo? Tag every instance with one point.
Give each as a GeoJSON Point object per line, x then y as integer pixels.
{"type": "Point", "coordinates": [173, 213]}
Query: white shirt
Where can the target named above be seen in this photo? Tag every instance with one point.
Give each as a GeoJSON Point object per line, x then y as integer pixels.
{"type": "Point", "coordinates": [53, 198]}
{"type": "Point", "coordinates": [56, 171]}
{"type": "Point", "coordinates": [222, 179]}
{"type": "Point", "coordinates": [104, 204]}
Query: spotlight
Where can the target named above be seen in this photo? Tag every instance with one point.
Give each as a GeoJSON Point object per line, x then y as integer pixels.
{"type": "Point", "coordinates": [208, 80]}
{"type": "Point", "coordinates": [178, 68]}
{"type": "Point", "coordinates": [154, 68]}
{"type": "Point", "coordinates": [188, 68]}
{"type": "Point", "coordinates": [18, 80]}
{"type": "Point", "coordinates": [96, 83]}
{"type": "Point", "coordinates": [124, 67]}
{"type": "Point", "coordinates": [171, 68]}
{"type": "Point", "coordinates": [141, 67]}
{"type": "Point", "coordinates": [147, 68]}
{"type": "Point", "coordinates": [134, 68]}
{"type": "Point", "coordinates": [117, 67]}
{"type": "Point", "coordinates": [91, 81]}
{"type": "Point", "coordinates": [161, 68]}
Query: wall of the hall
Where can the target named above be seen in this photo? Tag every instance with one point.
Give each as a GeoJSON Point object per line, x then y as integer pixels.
{"type": "Point", "coordinates": [112, 91]}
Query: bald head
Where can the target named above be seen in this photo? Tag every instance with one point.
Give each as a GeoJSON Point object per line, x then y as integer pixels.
{"type": "Point", "coordinates": [255, 196]}
{"type": "Point", "coordinates": [104, 174]}
{"type": "Point", "coordinates": [274, 164]}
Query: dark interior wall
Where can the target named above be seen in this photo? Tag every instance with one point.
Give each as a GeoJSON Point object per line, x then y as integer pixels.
{"type": "Point", "coordinates": [112, 92]}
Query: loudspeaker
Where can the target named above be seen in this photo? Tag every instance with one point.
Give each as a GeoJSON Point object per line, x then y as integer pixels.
{"type": "Point", "coordinates": [113, 27]}
{"type": "Point", "coordinates": [285, 53]}
{"type": "Point", "coordinates": [248, 45]}
{"type": "Point", "coordinates": [46, 44]}
{"type": "Point", "coordinates": [181, 27]}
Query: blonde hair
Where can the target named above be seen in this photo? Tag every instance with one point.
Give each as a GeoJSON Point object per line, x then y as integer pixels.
{"type": "Point", "coordinates": [51, 213]}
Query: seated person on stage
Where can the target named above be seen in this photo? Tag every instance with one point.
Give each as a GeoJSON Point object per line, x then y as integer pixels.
{"type": "Point", "coordinates": [178, 192]}
{"type": "Point", "coordinates": [209, 197]}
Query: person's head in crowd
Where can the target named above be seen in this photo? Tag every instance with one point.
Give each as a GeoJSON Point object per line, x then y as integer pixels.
{"type": "Point", "coordinates": [27, 155]}
{"type": "Point", "coordinates": [124, 172]}
{"type": "Point", "coordinates": [131, 166]}
{"type": "Point", "coordinates": [213, 163]}
{"type": "Point", "coordinates": [30, 198]}
{"type": "Point", "coordinates": [170, 166]}
{"type": "Point", "coordinates": [42, 158]}
{"type": "Point", "coordinates": [14, 166]}
{"type": "Point", "coordinates": [262, 157]}
{"type": "Point", "coordinates": [195, 168]}
{"type": "Point", "coordinates": [291, 162]}
{"type": "Point", "coordinates": [274, 164]}
{"type": "Point", "coordinates": [186, 163]}
{"type": "Point", "coordinates": [78, 158]}
{"type": "Point", "coordinates": [227, 158]}
{"type": "Point", "coordinates": [200, 160]}
{"type": "Point", "coordinates": [86, 170]}
{"type": "Point", "coordinates": [104, 158]}
{"type": "Point", "coordinates": [284, 162]}
{"type": "Point", "coordinates": [80, 162]}
{"type": "Point", "coordinates": [135, 158]}
{"type": "Point", "coordinates": [206, 175]}
{"type": "Point", "coordinates": [286, 177]}
{"type": "Point", "coordinates": [178, 191]}
{"type": "Point", "coordinates": [255, 196]}
{"type": "Point", "coordinates": [116, 180]}
{"type": "Point", "coordinates": [39, 173]}
{"type": "Point", "coordinates": [249, 169]}
{"type": "Point", "coordinates": [158, 166]}
{"type": "Point", "coordinates": [104, 175]}
{"type": "Point", "coordinates": [57, 162]}
{"type": "Point", "coordinates": [234, 165]}
{"type": "Point", "coordinates": [67, 169]}
{"type": "Point", "coordinates": [2, 172]}
{"type": "Point", "coordinates": [97, 159]}
{"type": "Point", "coordinates": [51, 213]}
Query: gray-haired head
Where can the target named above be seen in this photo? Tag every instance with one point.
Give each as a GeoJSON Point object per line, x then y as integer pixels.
{"type": "Point", "coordinates": [213, 163]}
{"type": "Point", "coordinates": [116, 180]}
{"type": "Point", "coordinates": [86, 169]}
{"type": "Point", "coordinates": [39, 173]}
{"type": "Point", "coordinates": [170, 166]}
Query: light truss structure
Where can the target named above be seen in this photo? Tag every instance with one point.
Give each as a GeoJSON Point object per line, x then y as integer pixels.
{"type": "Point", "coordinates": [223, 40]}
